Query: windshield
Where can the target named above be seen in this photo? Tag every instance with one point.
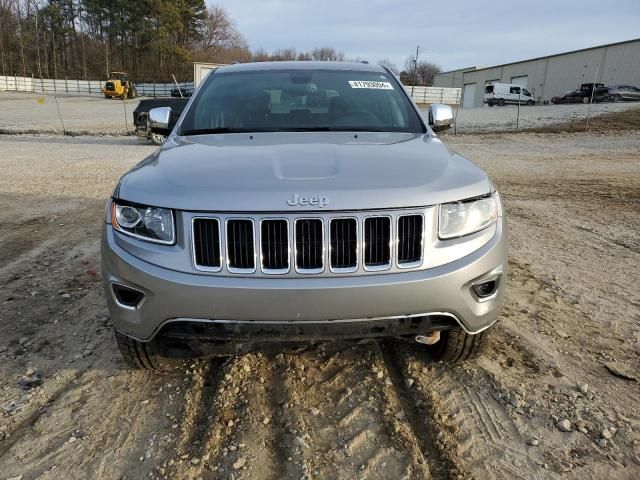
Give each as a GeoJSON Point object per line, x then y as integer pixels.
{"type": "Point", "coordinates": [300, 100]}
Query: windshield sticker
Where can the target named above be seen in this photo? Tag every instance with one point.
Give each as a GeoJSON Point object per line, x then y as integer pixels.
{"type": "Point", "coordinates": [370, 84]}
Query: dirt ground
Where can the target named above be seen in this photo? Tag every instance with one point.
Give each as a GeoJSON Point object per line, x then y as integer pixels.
{"type": "Point", "coordinates": [564, 356]}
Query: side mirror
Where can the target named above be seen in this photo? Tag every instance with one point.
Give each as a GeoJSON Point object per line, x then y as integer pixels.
{"type": "Point", "coordinates": [160, 117]}
{"type": "Point", "coordinates": [440, 117]}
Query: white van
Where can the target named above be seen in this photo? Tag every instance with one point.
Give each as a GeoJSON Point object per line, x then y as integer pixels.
{"type": "Point", "coordinates": [503, 93]}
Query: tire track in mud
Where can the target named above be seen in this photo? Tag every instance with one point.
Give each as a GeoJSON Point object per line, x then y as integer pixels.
{"type": "Point", "coordinates": [478, 435]}
{"type": "Point", "coordinates": [492, 428]}
{"type": "Point", "coordinates": [281, 423]}
{"type": "Point", "coordinates": [231, 423]}
{"type": "Point", "coordinates": [344, 428]}
{"type": "Point", "coordinates": [198, 418]}
{"type": "Point", "coordinates": [200, 421]}
{"type": "Point", "coordinates": [421, 414]}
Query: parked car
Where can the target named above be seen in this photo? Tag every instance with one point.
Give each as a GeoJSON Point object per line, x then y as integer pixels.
{"type": "Point", "coordinates": [181, 92]}
{"type": "Point", "coordinates": [584, 94]}
{"type": "Point", "coordinates": [503, 93]}
{"type": "Point", "coordinates": [619, 93]}
{"type": "Point", "coordinates": [141, 117]}
{"type": "Point", "coordinates": [263, 219]}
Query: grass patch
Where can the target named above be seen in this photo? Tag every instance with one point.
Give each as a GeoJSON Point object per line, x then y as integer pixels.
{"type": "Point", "coordinates": [606, 122]}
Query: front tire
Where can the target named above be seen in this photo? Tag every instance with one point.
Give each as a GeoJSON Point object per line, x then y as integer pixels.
{"type": "Point", "coordinates": [456, 345]}
{"type": "Point", "coordinates": [142, 355]}
{"type": "Point", "coordinates": [501, 102]}
{"type": "Point", "coordinates": [157, 138]}
{"type": "Point", "coordinates": [531, 103]}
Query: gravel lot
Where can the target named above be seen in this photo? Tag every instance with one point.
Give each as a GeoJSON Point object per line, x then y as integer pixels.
{"type": "Point", "coordinates": [38, 113]}
{"type": "Point", "coordinates": [26, 112]}
{"type": "Point", "coordinates": [564, 356]}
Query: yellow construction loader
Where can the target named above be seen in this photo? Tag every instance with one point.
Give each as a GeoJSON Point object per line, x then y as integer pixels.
{"type": "Point", "coordinates": [119, 86]}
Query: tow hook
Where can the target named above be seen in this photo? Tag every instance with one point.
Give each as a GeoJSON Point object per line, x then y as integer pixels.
{"type": "Point", "coordinates": [428, 339]}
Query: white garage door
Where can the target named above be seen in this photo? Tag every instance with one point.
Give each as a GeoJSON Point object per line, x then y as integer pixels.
{"type": "Point", "coordinates": [469, 95]}
{"type": "Point", "coordinates": [522, 81]}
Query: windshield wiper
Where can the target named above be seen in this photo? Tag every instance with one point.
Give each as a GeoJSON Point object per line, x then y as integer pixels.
{"type": "Point", "coordinates": [210, 131]}
{"type": "Point", "coordinates": [326, 128]}
{"type": "Point", "coordinates": [323, 128]}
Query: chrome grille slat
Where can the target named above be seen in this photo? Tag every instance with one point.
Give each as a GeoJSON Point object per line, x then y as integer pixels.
{"type": "Point", "coordinates": [274, 237]}
{"type": "Point", "coordinates": [240, 245]}
{"type": "Point", "coordinates": [377, 243]}
{"type": "Point", "coordinates": [344, 245]}
{"type": "Point", "coordinates": [409, 239]}
{"type": "Point", "coordinates": [206, 251]}
{"type": "Point", "coordinates": [309, 245]}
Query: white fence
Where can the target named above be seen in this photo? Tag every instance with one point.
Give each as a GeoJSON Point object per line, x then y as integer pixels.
{"type": "Point", "coordinates": [429, 95]}
{"type": "Point", "coordinates": [421, 95]}
{"type": "Point", "coordinates": [50, 85]}
{"type": "Point", "coordinates": [83, 87]}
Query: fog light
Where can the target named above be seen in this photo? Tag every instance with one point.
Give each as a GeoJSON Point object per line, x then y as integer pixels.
{"type": "Point", "coordinates": [127, 297]}
{"type": "Point", "coordinates": [486, 288]}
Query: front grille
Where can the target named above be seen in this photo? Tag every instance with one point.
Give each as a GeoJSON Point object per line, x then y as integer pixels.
{"type": "Point", "coordinates": [377, 243]}
{"type": "Point", "coordinates": [315, 243]}
{"type": "Point", "coordinates": [240, 246]}
{"type": "Point", "coordinates": [309, 245]}
{"type": "Point", "coordinates": [344, 244]}
{"type": "Point", "coordinates": [410, 232]}
{"type": "Point", "coordinates": [110, 86]}
{"type": "Point", "coordinates": [274, 236]}
{"type": "Point", "coordinates": [206, 243]}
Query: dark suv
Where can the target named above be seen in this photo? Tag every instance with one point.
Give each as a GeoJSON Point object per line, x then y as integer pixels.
{"type": "Point", "coordinates": [584, 94]}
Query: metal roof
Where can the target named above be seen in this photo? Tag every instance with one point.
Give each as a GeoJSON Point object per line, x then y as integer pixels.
{"type": "Point", "coordinates": [455, 70]}
{"type": "Point", "coordinates": [558, 54]}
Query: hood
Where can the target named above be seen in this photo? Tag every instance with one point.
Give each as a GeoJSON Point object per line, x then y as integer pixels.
{"type": "Point", "coordinates": [302, 171]}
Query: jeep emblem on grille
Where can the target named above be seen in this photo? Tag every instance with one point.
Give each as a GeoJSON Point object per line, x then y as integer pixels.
{"type": "Point", "coordinates": [308, 201]}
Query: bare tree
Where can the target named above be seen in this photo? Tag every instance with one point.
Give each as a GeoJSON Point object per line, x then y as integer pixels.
{"type": "Point", "coordinates": [261, 55]}
{"type": "Point", "coordinates": [284, 54]}
{"type": "Point", "coordinates": [219, 33]}
{"type": "Point", "coordinates": [327, 54]}
{"type": "Point", "coordinates": [423, 73]}
{"type": "Point", "coordinates": [385, 62]}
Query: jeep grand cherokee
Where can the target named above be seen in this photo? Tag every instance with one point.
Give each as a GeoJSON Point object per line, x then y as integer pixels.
{"type": "Point", "coordinates": [298, 202]}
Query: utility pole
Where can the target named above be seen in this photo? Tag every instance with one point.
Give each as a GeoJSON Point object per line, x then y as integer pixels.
{"type": "Point", "coordinates": [593, 90]}
{"type": "Point", "coordinates": [35, 5]}
{"type": "Point", "coordinates": [415, 70]}
{"type": "Point", "coordinates": [84, 53]}
{"type": "Point", "coordinates": [4, 71]}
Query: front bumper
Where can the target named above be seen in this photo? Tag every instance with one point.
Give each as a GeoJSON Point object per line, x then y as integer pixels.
{"type": "Point", "coordinates": [290, 303]}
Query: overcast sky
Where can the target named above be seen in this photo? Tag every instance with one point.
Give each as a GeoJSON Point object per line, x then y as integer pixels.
{"type": "Point", "coordinates": [451, 33]}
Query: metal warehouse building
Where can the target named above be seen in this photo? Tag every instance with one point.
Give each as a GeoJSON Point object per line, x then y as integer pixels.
{"type": "Point", "coordinates": [545, 77]}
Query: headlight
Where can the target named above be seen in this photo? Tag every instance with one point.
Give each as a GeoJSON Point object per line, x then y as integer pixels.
{"type": "Point", "coordinates": [147, 223]}
{"type": "Point", "coordinates": [467, 217]}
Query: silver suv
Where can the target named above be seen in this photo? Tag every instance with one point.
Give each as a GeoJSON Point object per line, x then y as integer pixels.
{"type": "Point", "coordinates": [298, 202]}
